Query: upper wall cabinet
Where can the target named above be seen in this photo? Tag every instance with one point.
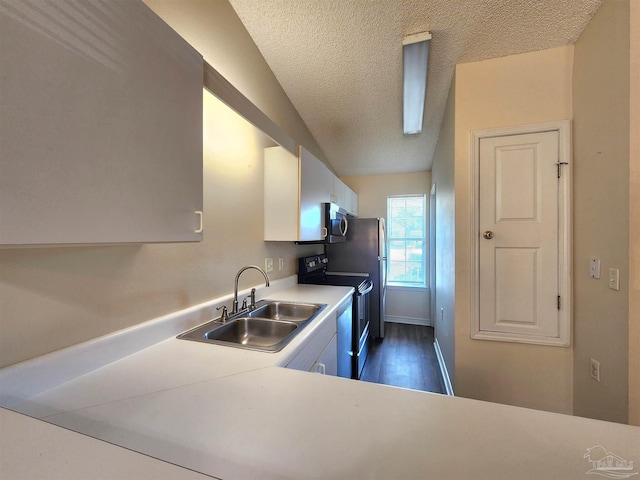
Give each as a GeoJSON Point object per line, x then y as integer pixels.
{"type": "Point", "coordinates": [100, 125]}
{"type": "Point", "coordinates": [344, 196]}
{"type": "Point", "coordinates": [294, 190]}
{"type": "Point", "coordinates": [281, 195]}
{"type": "Point", "coordinates": [354, 203]}
{"type": "Point", "coordinates": [316, 187]}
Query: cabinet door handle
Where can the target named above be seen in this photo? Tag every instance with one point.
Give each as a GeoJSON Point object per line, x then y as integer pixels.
{"type": "Point", "coordinates": [321, 368]}
{"type": "Point", "coordinates": [199, 213]}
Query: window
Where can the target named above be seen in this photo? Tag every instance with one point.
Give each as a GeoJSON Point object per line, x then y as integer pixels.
{"type": "Point", "coordinates": [407, 240]}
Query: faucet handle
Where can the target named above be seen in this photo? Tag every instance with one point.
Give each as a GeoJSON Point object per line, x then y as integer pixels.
{"type": "Point", "coordinates": [253, 299]}
{"type": "Point", "coordinates": [244, 303]}
{"type": "Point", "coordinates": [225, 316]}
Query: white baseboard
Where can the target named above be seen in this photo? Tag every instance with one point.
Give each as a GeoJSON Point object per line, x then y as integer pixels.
{"type": "Point", "coordinates": [443, 369]}
{"type": "Point", "coordinates": [407, 320]}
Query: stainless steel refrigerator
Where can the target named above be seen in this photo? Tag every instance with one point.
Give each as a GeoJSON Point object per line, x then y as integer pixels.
{"type": "Point", "coordinates": [365, 251]}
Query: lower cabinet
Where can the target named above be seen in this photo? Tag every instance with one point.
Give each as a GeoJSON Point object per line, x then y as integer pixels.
{"type": "Point", "coordinates": [320, 353]}
{"type": "Point", "coordinates": [327, 364]}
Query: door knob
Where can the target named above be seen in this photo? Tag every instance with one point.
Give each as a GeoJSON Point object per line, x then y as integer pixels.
{"type": "Point", "coordinates": [488, 234]}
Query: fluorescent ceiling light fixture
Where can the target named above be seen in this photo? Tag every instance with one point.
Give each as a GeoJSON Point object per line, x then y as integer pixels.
{"type": "Point", "coordinates": [415, 56]}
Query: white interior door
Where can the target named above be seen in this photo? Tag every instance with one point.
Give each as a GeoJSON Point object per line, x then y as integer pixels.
{"type": "Point", "coordinates": [519, 234]}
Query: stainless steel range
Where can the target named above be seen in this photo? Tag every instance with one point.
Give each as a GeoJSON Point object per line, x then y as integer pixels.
{"type": "Point", "coordinates": [354, 329]}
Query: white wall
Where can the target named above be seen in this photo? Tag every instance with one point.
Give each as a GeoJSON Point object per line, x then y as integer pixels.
{"type": "Point", "coordinates": [213, 28]}
{"type": "Point", "coordinates": [601, 212]}
{"type": "Point", "coordinates": [444, 181]}
{"type": "Point", "coordinates": [408, 305]}
{"type": "Point", "coordinates": [515, 90]}
{"type": "Point", "coordinates": [532, 88]}
{"type": "Point", "coordinates": [634, 218]}
{"type": "Point", "coordinates": [403, 305]}
{"type": "Point", "coordinates": [373, 190]}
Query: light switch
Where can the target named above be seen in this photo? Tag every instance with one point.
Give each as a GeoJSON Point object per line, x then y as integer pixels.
{"type": "Point", "coordinates": [614, 279]}
{"type": "Point", "coordinates": [594, 268]}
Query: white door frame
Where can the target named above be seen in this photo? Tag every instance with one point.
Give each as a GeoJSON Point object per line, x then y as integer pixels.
{"type": "Point", "coordinates": [564, 233]}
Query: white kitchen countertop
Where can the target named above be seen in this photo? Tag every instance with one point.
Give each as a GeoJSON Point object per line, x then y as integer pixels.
{"type": "Point", "coordinates": [172, 363]}
{"type": "Point", "coordinates": [32, 449]}
{"type": "Point", "coordinates": [236, 414]}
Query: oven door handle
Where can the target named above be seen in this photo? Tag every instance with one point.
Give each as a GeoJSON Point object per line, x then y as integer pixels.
{"type": "Point", "coordinates": [362, 341]}
{"type": "Point", "coordinates": [366, 290]}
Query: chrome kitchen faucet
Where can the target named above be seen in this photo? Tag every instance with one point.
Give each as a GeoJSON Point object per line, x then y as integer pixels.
{"type": "Point", "coordinates": [235, 290]}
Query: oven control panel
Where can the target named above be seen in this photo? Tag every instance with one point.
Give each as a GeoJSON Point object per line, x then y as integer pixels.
{"type": "Point", "coordinates": [312, 264]}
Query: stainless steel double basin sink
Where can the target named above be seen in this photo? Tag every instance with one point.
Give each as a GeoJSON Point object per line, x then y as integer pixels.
{"type": "Point", "coordinates": [267, 328]}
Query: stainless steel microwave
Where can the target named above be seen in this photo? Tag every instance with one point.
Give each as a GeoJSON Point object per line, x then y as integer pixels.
{"type": "Point", "coordinates": [335, 223]}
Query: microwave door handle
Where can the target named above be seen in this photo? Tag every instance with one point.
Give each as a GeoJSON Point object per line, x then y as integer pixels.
{"type": "Point", "coordinates": [344, 226]}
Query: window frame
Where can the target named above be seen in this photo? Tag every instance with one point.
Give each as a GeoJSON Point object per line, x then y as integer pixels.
{"type": "Point", "coordinates": [404, 284]}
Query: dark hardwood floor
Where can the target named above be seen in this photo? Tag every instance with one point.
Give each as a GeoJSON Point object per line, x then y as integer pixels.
{"type": "Point", "coordinates": [405, 358]}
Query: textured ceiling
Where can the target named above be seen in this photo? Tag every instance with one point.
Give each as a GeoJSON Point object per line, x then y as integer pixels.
{"type": "Point", "coordinates": [340, 63]}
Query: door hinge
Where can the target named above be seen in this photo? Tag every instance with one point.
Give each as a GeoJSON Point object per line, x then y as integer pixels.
{"type": "Point", "coordinates": [558, 302]}
{"type": "Point", "coordinates": [559, 164]}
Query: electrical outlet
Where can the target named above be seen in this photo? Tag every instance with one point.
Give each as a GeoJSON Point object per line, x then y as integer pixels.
{"type": "Point", "coordinates": [595, 370]}
{"type": "Point", "coordinates": [280, 263]}
{"type": "Point", "coordinates": [268, 264]}
{"type": "Point", "coordinates": [594, 268]}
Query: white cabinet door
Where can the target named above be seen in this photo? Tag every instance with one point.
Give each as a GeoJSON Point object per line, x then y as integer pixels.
{"type": "Point", "coordinates": [281, 194]}
{"type": "Point", "coordinates": [315, 348]}
{"type": "Point", "coordinates": [340, 195]}
{"type": "Point", "coordinates": [353, 207]}
{"type": "Point", "coordinates": [100, 125]}
{"type": "Point", "coordinates": [344, 196]}
{"type": "Point", "coordinates": [316, 187]}
{"type": "Point", "coordinates": [350, 203]}
{"type": "Point", "coordinates": [295, 189]}
{"type": "Point", "coordinates": [327, 363]}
